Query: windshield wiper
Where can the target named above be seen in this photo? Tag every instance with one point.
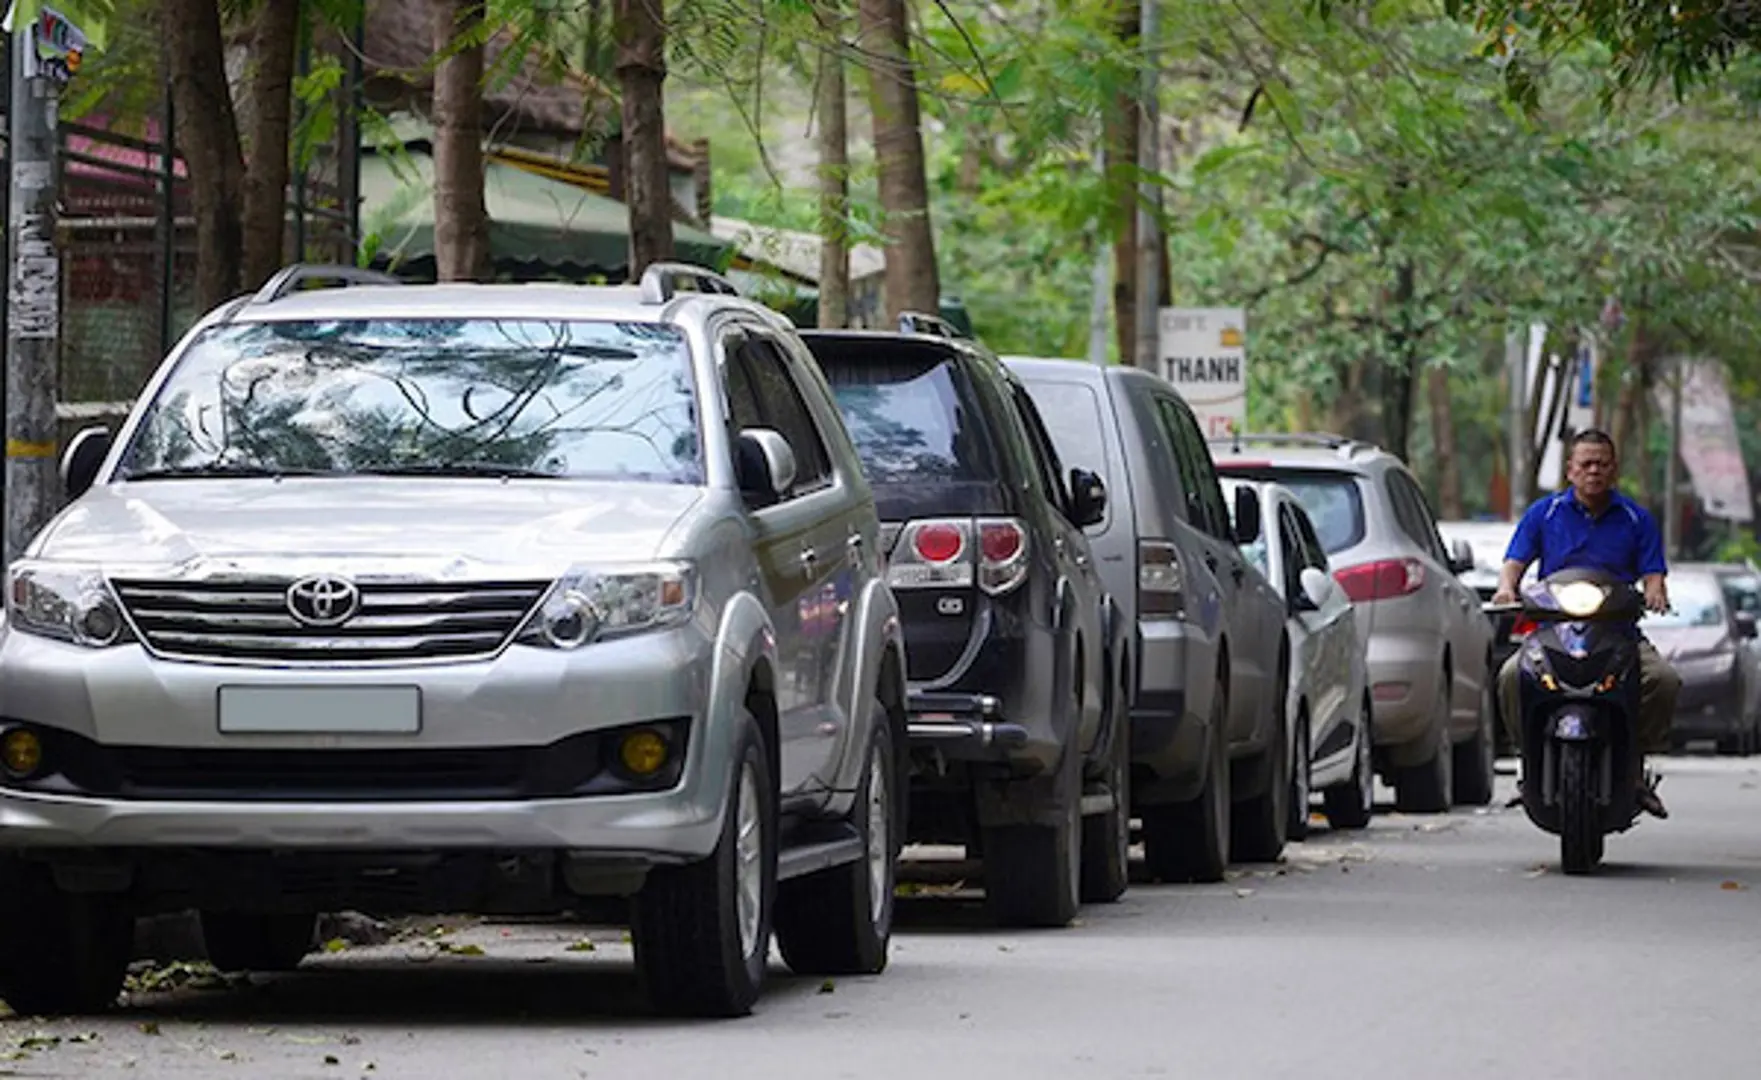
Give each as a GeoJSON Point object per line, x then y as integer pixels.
{"type": "Point", "coordinates": [460, 468]}
{"type": "Point", "coordinates": [198, 472]}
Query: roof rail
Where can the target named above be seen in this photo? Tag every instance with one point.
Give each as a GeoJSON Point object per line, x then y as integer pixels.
{"type": "Point", "coordinates": [1320, 440]}
{"type": "Point", "coordinates": [289, 278]}
{"type": "Point", "coordinates": [660, 282]}
{"type": "Point", "coordinates": [916, 322]}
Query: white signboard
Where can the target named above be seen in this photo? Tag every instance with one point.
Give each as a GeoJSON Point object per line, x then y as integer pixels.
{"type": "Point", "coordinates": [1710, 447]}
{"type": "Point", "coordinates": [1203, 352]}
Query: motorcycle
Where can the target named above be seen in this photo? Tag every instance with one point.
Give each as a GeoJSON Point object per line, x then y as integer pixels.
{"type": "Point", "coordinates": [1578, 695]}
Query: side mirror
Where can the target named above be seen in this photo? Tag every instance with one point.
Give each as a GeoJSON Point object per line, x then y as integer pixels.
{"type": "Point", "coordinates": [764, 465]}
{"type": "Point", "coordinates": [1746, 626]}
{"type": "Point", "coordinates": [1317, 588]}
{"type": "Point", "coordinates": [1088, 498]}
{"type": "Point", "coordinates": [1461, 557]}
{"type": "Point", "coordinates": [1247, 515]}
{"type": "Point", "coordinates": [82, 459]}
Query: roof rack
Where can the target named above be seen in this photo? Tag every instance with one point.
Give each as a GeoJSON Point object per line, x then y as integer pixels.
{"type": "Point", "coordinates": [660, 282]}
{"type": "Point", "coordinates": [916, 322]}
{"type": "Point", "coordinates": [289, 278]}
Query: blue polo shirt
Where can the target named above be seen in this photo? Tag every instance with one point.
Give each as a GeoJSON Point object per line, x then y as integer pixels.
{"type": "Point", "coordinates": [1559, 531]}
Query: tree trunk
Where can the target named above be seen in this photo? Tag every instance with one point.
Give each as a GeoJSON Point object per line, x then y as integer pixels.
{"type": "Point", "coordinates": [461, 222]}
{"type": "Point", "coordinates": [834, 175]}
{"type": "Point", "coordinates": [1443, 438]}
{"type": "Point", "coordinates": [208, 137]}
{"type": "Point", "coordinates": [1120, 131]}
{"type": "Point", "coordinates": [912, 281]}
{"type": "Point", "coordinates": [266, 173]}
{"type": "Point", "coordinates": [641, 35]}
{"type": "Point", "coordinates": [1401, 368]}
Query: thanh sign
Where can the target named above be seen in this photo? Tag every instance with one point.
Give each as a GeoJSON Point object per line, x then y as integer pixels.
{"type": "Point", "coordinates": [1203, 352]}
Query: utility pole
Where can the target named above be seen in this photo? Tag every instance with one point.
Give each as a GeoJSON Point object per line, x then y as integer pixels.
{"type": "Point", "coordinates": [1149, 160]}
{"type": "Point", "coordinates": [1671, 509]}
{"type": "Point", "coordinates": [1100, 306]}
{"type": "Point", "coordinates": [33, 294]}
{"type": "Point", "coordinates": [1516, 370]}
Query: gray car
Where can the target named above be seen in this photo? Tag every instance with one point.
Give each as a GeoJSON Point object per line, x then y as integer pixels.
{"type": "Point", "coordinates": [1707, 636]}
{"type": "Point", "coordinates": [1209, 662]}
{"type": "Point", "coordinates": [508, 599]}
{"type": "Point", "coordinates": [1428, 641]}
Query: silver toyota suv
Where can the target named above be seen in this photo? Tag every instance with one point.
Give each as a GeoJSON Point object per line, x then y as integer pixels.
{"type": "Point", "coordinates": [505, 599]}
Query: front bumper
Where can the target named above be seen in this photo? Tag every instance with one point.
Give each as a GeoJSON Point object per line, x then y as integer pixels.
{"type": "Point", "coordinates": [157, 771]}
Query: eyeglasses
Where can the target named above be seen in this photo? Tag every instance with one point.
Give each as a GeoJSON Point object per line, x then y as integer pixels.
{"type": "Point", "coordinates": [1598, 464]}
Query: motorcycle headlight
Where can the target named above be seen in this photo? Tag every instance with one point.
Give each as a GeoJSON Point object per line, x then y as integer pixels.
{"type": "Point", "coordinates": [1580, 599]}
{"type": "Point", "coordinates": [592, 604]}
{"type": "Point", "coordinates": [71, 604]}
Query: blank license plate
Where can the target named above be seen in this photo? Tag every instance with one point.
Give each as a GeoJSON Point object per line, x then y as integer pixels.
{"type": "Point", "coordinates": [315, 710]}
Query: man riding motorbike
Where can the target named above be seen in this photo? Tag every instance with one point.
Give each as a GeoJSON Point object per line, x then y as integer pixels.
{"type": "Point", "coordinates": [1591, 524]}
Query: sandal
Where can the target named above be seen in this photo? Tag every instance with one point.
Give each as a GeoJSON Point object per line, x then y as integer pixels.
{"type": "Point", "coordinates": [1648, 800]}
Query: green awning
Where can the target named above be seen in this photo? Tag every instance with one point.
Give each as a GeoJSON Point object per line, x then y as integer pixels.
{"type": "Point", "coordinates": [538, 227]}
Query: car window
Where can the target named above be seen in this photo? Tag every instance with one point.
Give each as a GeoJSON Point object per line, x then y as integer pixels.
{"type": "Point", "coordinates": [1314, 553]}
{"type": "Point", "coordinates": [910, 417]}
{"type": "Point", "coordinates": [1045, 456]}
{"type": "Point", "coordinates": [1427, 519]}
{"type": "Point", "coordinates": [1694, 599]}
{"type": "Point", "coordinates": [565, 398]}
{"type": "Point", "coordinates": [1072, 415]}
{"type": "Point", "coordinates": [1290, 541]}
{"type": "Point", "coordinates": [1743, 593]}
{"type": "Point", "coordinates": [781, 406]}
{"type": "Point", "coordinates": [1408, 510]}
{"type": "Point", "coordinates": [1205, 495]}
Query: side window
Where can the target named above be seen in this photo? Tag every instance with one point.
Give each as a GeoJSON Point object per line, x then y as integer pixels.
{"type": "Point", "coordinates": [781, 405]}
{"type": "Point", "coordinates": [1313, 554]}
{"type": "Point", "coordinates": [1045, 458]}
{"type": "Point", "coordinates": [1415, 519]}
{"type": "Point", "coordinates": [1197, 474]}
{"type": "Point", "coordinates": [1290, 544]}
{"type": "Point", "coordinates": [742, 396]}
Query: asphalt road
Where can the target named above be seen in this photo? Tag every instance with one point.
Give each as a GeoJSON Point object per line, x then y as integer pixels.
{"type": "Point", "coordinates": [1434, 947]}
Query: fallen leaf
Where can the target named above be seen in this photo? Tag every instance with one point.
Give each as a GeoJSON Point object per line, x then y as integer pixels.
{"type": "Point", "coordinates": [38, 1041]}
{"type": "Point", "coordinates": [83, 1037]}
{"type": "Point", "coordinates": [331, 1059]}
{"type": "Point", "coordinates": [1733, 886]}
{"type": "Point", "coordinates": [368, 1066]}
{"type": "Point", "coordinates": [584, 945]}
{"type": "Point", "coordinates": [226, 1055]}
{"type": "Point", "coordinates": [335, 945]}
{"type": "Point", "coordinates": [149, 1027]}
{"type": "Point", "coordinates": [462, 950]}
{"type": "Point", "coordinates": [1243, 892]}
{"type": "Point", "coordinates": [827, 987]}
{"type": "Point", "coordinates": [351, 1040]}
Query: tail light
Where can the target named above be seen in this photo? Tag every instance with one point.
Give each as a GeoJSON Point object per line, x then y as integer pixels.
{"type": "Point", "coordinates": [956, 553]}
{"type": "Point", "coordinates": [1161, 583]}
{"type": "Point", "coordinates": [1523, 627]}
{"type": "Point", "coordinates": [1381, 580]}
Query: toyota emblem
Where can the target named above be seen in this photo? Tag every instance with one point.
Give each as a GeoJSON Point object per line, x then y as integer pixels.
{"type": "Point", "coordinates": [323, 600]}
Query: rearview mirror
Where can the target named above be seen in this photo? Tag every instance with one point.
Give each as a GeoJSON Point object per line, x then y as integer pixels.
{"type": "Point", "coordinates": [764, 465]}
{"type": "Point", "coordinates": [1088, 498]}
{"type": "Point", "coordinates": [1746, 627]}
{"type": "Point", "coordinates": [1461, 556]}
{"type": "Point", "coordinates": [1317, 588]}
{"type": "Point", "coordinates": [1247, 515]}
{"type": "Point", "coordinates": [83, 458]}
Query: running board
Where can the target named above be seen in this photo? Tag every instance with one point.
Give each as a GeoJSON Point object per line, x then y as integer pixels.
{"type": "Point", "coordinates": [820, 855]}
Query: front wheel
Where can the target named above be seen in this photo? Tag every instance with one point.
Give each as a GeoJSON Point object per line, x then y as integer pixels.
{"type": "Point", "coordinates": [1580, 826]}
{"type": "Point", "coordinates": [702, 930]}
{"type": "Point", "coordinates": [60, 953]}
{"type": "Point", "coordinates": [255, 941]}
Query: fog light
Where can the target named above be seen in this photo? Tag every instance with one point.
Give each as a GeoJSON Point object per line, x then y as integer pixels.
{"type": "Point", "coordinates": [21, 753]}
{"type": "Point", "coordinates": [643, 753]}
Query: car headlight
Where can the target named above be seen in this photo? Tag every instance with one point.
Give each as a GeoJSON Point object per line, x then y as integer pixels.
{"type": "Point", "coordinates": [592, 604]}
{"type": "Point", "coordinates": [71, 604]}
{"type": "Point", "coordinates": [1580, 599]}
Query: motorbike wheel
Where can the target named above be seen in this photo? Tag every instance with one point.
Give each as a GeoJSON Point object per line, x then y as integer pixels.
{"type": "Point", "coordinates": [1580, 826]}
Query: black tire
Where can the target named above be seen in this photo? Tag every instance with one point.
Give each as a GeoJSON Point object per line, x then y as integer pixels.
{"type": "Point", "coordinates": [1580, 826]}
{"type": "Point", "coordinates": [1428, 787]}
{"type": "Point", "coordinates": [1033, 873]}
{"type": "Point", "coordinates": [61, 954]}
{"type": "Point", "coordinates": [1352, 804]}
{"type": "Point", "coordinates": [1106, 838]}
{"type": "Point", "coordinates": [840, 921]}
{"type": "Point", "coordinates": [1298, 829]}
{"type": "Point", "coordinates": [257, 941]}
{"type": "Point", "coordinates": [1189, 841]}
{"type": "Point", "coordinates": [1260, 826]}
{"type": "Point", "coordinates": [1475, 767]}
{"type": "Point", "coordinates": [687, 920]}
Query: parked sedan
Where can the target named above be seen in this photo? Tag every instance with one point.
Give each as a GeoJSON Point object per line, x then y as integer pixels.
{"type": "Point", "coordinates": [1703, 637]}
{"type": "Point", "coordinates": [1487, 541]}
{"type": "Point", "coordinates": [1327, 696]}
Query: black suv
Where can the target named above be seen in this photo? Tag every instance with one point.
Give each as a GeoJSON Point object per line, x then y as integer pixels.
{"type": "Point", "coordinates": [1018, 742]}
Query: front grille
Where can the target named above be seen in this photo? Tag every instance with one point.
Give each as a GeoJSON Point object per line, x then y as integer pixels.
{"type": "Point", "coordinates": [245, 621]}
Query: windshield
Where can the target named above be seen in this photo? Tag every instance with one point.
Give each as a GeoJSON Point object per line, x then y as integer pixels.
{"type": "Point", "coordinates": [907, 420]}
{"type": "Point", "coordinates": [1334, 506]}
{"type": "Point", "coordinates": [1696, 600]}
{"type": "Point", "coordinates": [596, 400]}
{"type": "Point", "coordinates": [1072, 415]}
{"type": "Point", "coordinates": [1743, 592]}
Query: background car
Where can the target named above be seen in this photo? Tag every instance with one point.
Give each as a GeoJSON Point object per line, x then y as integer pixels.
{"type": "Point", "coordinates": [1487, 541]}
{"type": "Point", "coordinates": [1705, 638]}
{"type": "Point", "coordinates": [1327, 699]}
{"type": "Point", "coordinates": [1428, 643]}
{"type": "Point", "coordinates": [1018, 726]}
{"type": "Point", "coordinates": [1210, 740]}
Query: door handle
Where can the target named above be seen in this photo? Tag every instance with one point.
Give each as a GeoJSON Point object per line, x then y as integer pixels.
{"type": "Point", "coordinates": [1238, 572]}
{"type": "Point", "coordinates": [856, 541]}
{"type": "Point", "coordinates": [809, 559]}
